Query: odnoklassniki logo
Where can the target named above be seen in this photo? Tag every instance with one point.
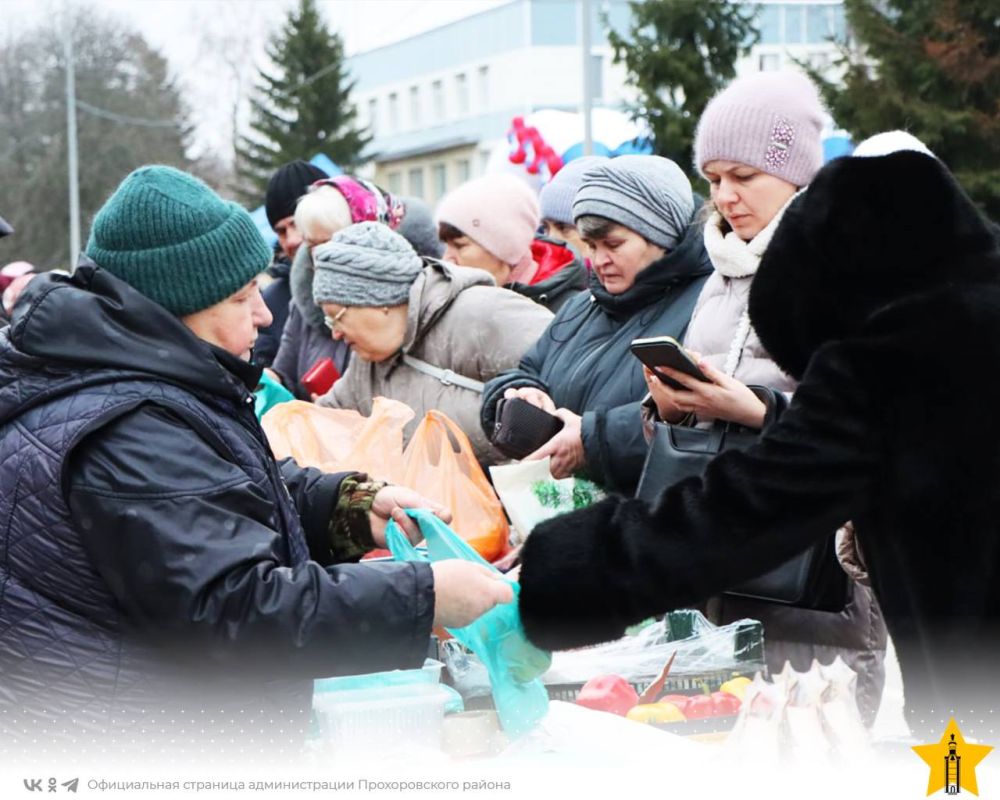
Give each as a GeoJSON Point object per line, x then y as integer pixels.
{"type": "Point", "coordinates": [953, 762]}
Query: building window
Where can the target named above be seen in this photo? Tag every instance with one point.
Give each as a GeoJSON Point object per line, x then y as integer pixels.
{"type": "Point", "coordinates": [396, 182]}
{"type": "Point", "coordinates": [462, 170]}
{"type": "Point", "coordinates": [439, 178]}
{"type": "Point", "coordinates": [373, 115]}
{"type": "Point", "coordinates": [768, 62]}
{"type": "Point", "coordinates": [484, 87]}
{"type": "Point", "coordinates": [416, 182]}
{"type": "Point", "coordinates": [769, 24]}
{"type": "Point", "coordinates": [462, 93]}
{"type": "Point", "coordinates": [795, 24]}
{"type": "Point", "coordinates": [415, 106]}
{"type": "Point", "coordinates": [393, 112]}
{"type": "Point", "coordinates": [437, 99]}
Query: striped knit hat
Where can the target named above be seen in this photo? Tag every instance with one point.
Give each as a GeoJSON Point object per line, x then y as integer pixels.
{"type": "Point", "coordinates": [647, 194]}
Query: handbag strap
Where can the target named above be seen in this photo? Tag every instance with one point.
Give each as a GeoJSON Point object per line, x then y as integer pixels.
{"type": "Point", "coordinates": [445, 376]}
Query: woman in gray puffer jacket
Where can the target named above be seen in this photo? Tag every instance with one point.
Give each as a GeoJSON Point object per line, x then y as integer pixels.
{"type": "Point", "coordinates": [753, 180]}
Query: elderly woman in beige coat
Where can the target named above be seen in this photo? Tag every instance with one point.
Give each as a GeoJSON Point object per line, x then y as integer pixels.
{"type": "Point", "coordinates": [423, 332]}
{"type": "Point", "coordinates": [758, 144]}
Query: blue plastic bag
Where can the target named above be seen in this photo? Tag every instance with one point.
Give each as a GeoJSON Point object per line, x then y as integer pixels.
{"type": "Point", "coordinates": [497, 638]}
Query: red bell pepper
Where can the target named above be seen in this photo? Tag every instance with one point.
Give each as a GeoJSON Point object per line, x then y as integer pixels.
{"type": "Point", "coordinates": [699, 707]}
{"type": "Point", "coordinates": [610, 693]}
{"type": "Point", "coordinates": [725, 704]}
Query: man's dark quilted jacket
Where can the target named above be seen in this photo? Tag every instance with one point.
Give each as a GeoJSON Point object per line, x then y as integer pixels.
{"type": "Point", "coordinates": [154, 559]}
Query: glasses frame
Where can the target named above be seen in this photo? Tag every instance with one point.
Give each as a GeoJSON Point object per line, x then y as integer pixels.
{"type": "Point", "coordinates": [332, 323]}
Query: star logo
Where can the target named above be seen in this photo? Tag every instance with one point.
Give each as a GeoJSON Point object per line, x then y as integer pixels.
{"type": "Point", "coordinates": [952, 762]}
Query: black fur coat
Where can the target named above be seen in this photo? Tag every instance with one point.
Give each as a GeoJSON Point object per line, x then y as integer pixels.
{"type": "Point", "coordinates": [881, 292]}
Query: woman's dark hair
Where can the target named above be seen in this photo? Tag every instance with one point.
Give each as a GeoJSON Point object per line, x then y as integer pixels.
{"type": "Point", "coordinates": [593, 227]}
{"type": "Point", "coordinates": [448, 232]}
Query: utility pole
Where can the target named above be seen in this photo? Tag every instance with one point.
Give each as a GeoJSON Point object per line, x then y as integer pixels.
{"type": "Point", "coordinates": [71, 143]}
{"type": "Point", "coordinates": [588, 89]}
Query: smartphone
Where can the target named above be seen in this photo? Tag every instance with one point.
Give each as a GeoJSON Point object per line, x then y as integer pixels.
{"type": "Point", "coordinates": [666, 351]}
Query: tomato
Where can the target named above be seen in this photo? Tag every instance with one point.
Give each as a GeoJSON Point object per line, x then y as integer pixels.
{"type": "Point", "coordinates": [610, 693]}
{"type": "Point", "coordinates": [725, 704]}
{"type": "Point", "coordinates": [655, 713]}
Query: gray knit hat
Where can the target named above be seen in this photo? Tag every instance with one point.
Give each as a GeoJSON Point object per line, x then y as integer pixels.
{"type": "Point", "coordinates": [556, 197]}
{"type": "Point", "coordinates": [418, 228]}
{"type": "Point", "coordinates": [647, 194]}
{"type": "Point", "coordinates": [366, 264]}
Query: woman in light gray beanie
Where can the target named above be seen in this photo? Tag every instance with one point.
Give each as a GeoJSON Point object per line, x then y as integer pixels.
{"type": "Point", "coordinates": [422, 332]}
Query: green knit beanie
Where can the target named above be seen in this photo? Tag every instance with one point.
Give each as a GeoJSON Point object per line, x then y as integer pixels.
{"type": "Point", "coordinates": [169, 236]}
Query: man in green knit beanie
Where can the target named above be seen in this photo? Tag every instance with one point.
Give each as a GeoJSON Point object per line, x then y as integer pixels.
{"type": "Point", "coordinates": [158, 560]}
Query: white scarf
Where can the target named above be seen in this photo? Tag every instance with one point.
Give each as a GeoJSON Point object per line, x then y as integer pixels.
{"type": "Point", "coordinates": [734, 258]}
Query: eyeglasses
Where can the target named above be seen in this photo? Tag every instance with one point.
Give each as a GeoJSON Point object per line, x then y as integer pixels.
{"type": "Point", "coordinates": [334, 322]}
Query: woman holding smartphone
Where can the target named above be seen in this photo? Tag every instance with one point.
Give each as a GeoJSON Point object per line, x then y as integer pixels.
{"type": "Point", "coordinates": [758, 144]}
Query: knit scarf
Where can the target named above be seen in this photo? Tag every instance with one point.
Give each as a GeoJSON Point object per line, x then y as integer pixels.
{"type": "Point", "coordinates": [735, 258]}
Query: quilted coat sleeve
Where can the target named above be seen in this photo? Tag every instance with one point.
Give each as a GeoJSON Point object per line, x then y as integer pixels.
{"type": "Point", "coordinates": [589, 574]}
{"type": "Point", "coordinates": [185, 542]}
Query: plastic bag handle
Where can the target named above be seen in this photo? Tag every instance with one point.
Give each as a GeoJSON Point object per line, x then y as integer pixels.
{"type": "Point", "coordinates": [442, 541]}
{"type": "Point", "coordinates": [463, 456]}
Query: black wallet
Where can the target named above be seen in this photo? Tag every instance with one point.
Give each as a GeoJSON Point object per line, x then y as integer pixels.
{"type": "Point", "coordinates": [521, 428]}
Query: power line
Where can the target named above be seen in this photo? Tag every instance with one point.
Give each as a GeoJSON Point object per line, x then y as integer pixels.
{"type": "Point", "coordinates": [124, 119]}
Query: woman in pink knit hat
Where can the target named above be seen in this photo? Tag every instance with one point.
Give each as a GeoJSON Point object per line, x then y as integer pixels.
{"type": "Point", "coordinates": [490, 224]}
{"type": "Point", "coordinates": [758, 144]}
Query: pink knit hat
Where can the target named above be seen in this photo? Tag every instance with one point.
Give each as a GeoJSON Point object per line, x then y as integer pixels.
{"type": "Point", "coordinates": [769, 120]}
{"type": "Point", "coordinates": [499, 212]}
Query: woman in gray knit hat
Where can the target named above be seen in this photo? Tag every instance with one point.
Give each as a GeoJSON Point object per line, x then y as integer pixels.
{"type": "Point", "coordinates": [422, 332]}
{"type": "Point", "coordinates": [635, 213]}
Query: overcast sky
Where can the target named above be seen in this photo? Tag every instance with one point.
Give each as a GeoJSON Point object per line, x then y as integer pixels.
{"type": "Point", "coordinates": [212, 45]}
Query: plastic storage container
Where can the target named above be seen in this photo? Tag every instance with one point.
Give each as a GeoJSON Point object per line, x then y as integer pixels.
{"type": "Point", "coordinates": [429, 673]}
{"type": "Point", "coordinates": [381, 719]}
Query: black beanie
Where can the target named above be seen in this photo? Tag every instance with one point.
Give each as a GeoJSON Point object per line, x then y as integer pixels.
{"type": "Point", "coordinates": [286, 186]}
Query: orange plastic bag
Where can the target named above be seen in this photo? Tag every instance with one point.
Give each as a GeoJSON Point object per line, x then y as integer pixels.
{"type": "Point", "coordinates": [439, 464]}
{"type": "Point", "coordinates": [337, 440]}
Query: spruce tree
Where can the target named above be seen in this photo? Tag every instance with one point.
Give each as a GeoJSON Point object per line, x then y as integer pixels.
{"type": "Point", "coordinates": [931, 67]}
{"type": "Point", "coordinates": [302, 107]}
{"type": "Point", "coordinates": [678, 53]}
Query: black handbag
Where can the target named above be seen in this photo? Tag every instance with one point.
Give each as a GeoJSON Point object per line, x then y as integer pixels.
{"type": "Point", "coordinates": [521, 428]}
{"type": "Point", "coordinates": [813, 579]}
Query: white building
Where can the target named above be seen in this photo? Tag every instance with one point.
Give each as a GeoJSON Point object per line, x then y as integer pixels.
{"type": "Point", "coordinates": [438, 101]}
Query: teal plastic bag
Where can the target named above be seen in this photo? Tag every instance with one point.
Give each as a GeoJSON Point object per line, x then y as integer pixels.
{"type": "Point", "coordinates": [269, 393]}
{"type": "Point", "coordinates": [497, 637]}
